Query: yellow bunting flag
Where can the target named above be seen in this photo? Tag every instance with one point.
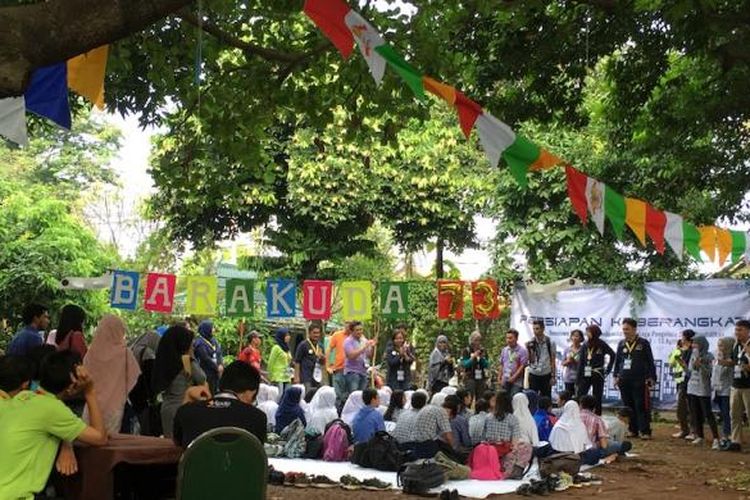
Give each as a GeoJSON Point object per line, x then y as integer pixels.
{"type": "Point", "coordinates": [202, 295]}
{"type": "Point", "coordinates": [443, 91]}
{"type": "Point", "coordinates": [545, 161]}
{"type": "Point", "coordinates": [86, 74]}
{"type": "Point", "coordinates": [724, 244]}
{"type": "Point", "coordinates": [635, 218]}
{"type": "Point", "coordinates": [708, 241]}
{"type": "Point", "coordinates": [356, 300]}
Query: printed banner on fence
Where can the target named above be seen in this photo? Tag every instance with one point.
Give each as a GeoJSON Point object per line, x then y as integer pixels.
{"type": "Point", "coordinates": [124, 293]}
{"type": "Point", "coordinates": [394, 300]}
{"type": "Point", "coordinates": [484, 299]}
{"type": "Point", "coordinates": [159, 296]}
{"type": "Point", "coordinates": [316, 299]}
{"type": "Point", "coordinates": [281, 298]}
{"type": "Point", "coordinates": [710, 308]}
{"type": "Point", "coordinates": [450, 299]}
{"type": "Point", "coordinates": [240, 297]}
{"type": "Point", "coordinates": [356, 300]}
{"type": "Point", "coordinates": [201, 295]}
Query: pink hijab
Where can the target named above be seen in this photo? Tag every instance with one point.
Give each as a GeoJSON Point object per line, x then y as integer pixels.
{"type": "Point", "coordinates": [113, 368]}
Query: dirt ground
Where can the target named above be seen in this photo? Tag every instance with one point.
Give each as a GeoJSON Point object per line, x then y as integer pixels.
{"type": "Point", "coordinates": [665, 468]}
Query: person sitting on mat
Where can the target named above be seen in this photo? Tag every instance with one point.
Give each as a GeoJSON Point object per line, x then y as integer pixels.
{"type": "Point", "coordinates": [368, 420]}
{"type": "Point", "coordinates": [432, 431]}
{"type": "Point", "coordinates": [290, 409]}
{"type": "Point", "coordinates": [404, 431]}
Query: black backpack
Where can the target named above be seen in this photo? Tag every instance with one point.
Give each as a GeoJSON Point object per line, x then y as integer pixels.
{"type": "Point", "coordinates": [417, 478]}
{"type": "Point", "coordinates": [380, 453]}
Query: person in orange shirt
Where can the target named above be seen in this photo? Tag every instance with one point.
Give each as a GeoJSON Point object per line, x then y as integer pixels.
{"type": "Point", "coordinates": [336, 368]}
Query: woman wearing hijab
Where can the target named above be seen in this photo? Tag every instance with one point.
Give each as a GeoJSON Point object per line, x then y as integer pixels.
{"type": "Point", "coordinates": [384, 396]}
{"type": "Point", "coordinates": [533, 398]}
{"type": "Point", "coordinates": [352, 406]}
{"type": "Point", "coordinates": [699, 391]}
{"type": "Point", "coordinates": [174, 372]}
{"type": "Point", "coordinates": [208, 353]}
{"type": "Point", "coordinates": [279, 361]}
{"type": "Point", "coordinates": [69, 333]}
{"type": "Point", "coordinates": [407, 399]}
{"type": "Point", "coordinates": [112, 365]}
{"type": "Point", "coordinates": [569, 433]}
{"type": "Point", "coordinates": [323, 409]}
{"type": "Point", "coordinates": [441, 365]}
{"type": "Point", "coordinates": [267, 404]}
{"type": "Point", "coordinates": [438, 399]}
{"type": "Point", "coordinates": [529, 433]}
{"type": "Point", "coordinates": [290, 409]}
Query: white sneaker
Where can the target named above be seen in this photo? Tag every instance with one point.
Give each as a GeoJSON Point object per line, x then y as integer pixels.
{"type": "Point", "coordinates": [715, 445]}
{"type": "Point", "coordinates": [690, 437]}
{"type": "Point", "coordinates": [697, 441]}
{"type": "Point", "coordinates": [678, 435]}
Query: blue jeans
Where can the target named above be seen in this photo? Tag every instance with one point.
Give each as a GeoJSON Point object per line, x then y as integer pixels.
{"type": "Point", "coordinates": [593, 455]}
{"type": "Point", "coordinates": [726, 417]}
{"type": "Point", "coordinates": [339, 385]}
{"type": "Point", "coordinates": [355, 382]}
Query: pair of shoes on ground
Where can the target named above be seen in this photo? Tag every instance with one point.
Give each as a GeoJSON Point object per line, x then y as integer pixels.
{"type": "Point", "coordinates": [374, 484]}
{"type": "Point", "coordinates": [644, 437]}
{"type": "Point", "coordinates": [449, 495]}
{"type": "Point", "coordinates": [545, 486]}
{"type": "Point", "coordinates": [730, 446]}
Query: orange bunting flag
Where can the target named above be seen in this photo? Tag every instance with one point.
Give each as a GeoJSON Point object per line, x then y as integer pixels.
{"type": "Point", "coordinates": [86, 74]}
{"type": "Point", "coordinates": [441, 90]}
{"type": "Point", "coordinates": [724, 244]}
{"type": "Point", "coordinates": [484, 299]}
{"type": "Point", "coordinates": [545, 161]}
{"type": "Point", "coordinates": [450, 299]}
{"type": "Point", "coordinates": [635, 218]}
{"type": "Point", "coordinates": [708, 241]}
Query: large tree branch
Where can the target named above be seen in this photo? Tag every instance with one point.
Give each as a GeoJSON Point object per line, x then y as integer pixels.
{"type": "Point", "coordinates": [48, 32]}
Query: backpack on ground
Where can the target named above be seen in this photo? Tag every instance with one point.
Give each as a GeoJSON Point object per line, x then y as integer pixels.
{"type": "Point", "coordinates": [380, 453]}
{"type": "Point", "coordinates": [556, 463]}
{"type": "Point", "coordinates": [313, 445]}
{"type": "Point", "coordinates": [293, 436]}
{"type": "Point", "coordinates": [336, 442]}
{"type": "Point", "coordinates": [484, 463]}
{"type": "Point", "coordinates": [417, 478]}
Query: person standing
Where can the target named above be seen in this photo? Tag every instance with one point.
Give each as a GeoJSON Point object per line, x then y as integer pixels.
{"type": "Point", "coordinates": [474, 362]}
{"type": "Point", "coordinates": [279, 361]}
{"type": "Point", "coordinates": [699, 391]}
{"type": "Point", "coordinates": [740, 394]}
{"type": "Point", "coordinates": [441, 365]}
{"type": "Point", "coordinates": [309, 360]}
{"type": "Point", "coordinates": [208, 353]}
{"type": "Point", "coordinates": [399, 356]}
{"type": "Point", "coordinates": [69, 333]}
{"type": "Point", "coordinates": [542, 361]}
{"type": "Point", "coordinates": [572, 360]}
{"type": "Point", "coordinates": [635, 374]}
{"type": "Point", "coordinates": [721, 385]}
{"type": "Point", "coordinates": [335, 368]}
{"type": "Point", "coordinates": [357, 349]}
{"type": "Point", "coordinates": [591, 371]}
{"type": "Point", "coordinates": [680, 371]}
{"type": "Point", "coordinates": [36, 320]}
{"type": "Point", "coordinates": [513, 361]}
{"type": "Point", "coordinates": [252, 355]}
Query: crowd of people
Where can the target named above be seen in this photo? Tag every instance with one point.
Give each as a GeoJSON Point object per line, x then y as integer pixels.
{"type": "Point", "coordinates": [172, 382]}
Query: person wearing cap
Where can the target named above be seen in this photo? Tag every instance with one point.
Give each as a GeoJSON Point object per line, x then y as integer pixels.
{"type": "Point", "coordinates": [252, 354]}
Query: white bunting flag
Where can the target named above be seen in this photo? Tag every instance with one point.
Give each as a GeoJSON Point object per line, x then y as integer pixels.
{"type": "Point", "coordinates": [13, 120]}
{"type": "Point", "coordinates": [595, 191]}
{"type": "Point", "coordinates": [495, 137]}
{"type": "Point", "coordinates": [673, 233]}
{"type": "Point", "coordinates": [367, 39]}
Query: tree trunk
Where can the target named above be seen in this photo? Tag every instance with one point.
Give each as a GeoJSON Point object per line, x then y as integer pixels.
{"type": "Point", "coordinates": [439, 267]}
{"type": "Point", "coordinates": [48, 32]}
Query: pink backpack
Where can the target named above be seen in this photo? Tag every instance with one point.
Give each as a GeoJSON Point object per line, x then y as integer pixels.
{"type": "Point", "coordinates": [484, 463]}
{"type": "Point", "coordinates": [336, 442]}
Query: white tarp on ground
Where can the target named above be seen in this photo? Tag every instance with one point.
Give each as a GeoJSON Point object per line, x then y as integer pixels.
{"type": "Point", "coordinates": [708, 307]}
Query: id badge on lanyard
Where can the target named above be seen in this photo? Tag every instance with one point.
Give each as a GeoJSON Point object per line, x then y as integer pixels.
{"type": "Point", "coordinates": [627, 363]}
{"type": "Point", "coordinates": [318, 373]}
{"type": "Point", "coordinates": [587, 371]}
{"type": "Point", "coordinates": [400, 375]}
{"type": "Point", "coordinates": [478, 374]}
{"type": "Point", "coordinates": [738, 371]}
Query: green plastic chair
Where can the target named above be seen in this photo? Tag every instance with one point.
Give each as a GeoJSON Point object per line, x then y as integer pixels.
{"type": "Point", "coordinates": [226, 463]}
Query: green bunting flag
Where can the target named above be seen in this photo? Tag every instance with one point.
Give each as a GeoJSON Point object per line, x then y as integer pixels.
{"type": "Point", "coordinates": [740, 245]}
{"type": "Point", "coordinates": [691, 238]}
{"type": "Point", "coordinates": [240, 297]}
{"type": "Point", "coordinates": [614, 209]}
{"type": "Point", "coordinates": [412, 77]}
{"type": "Point", "coordinates": [394, 300]}
{"type": "Point", "coordinates": [519, 156]}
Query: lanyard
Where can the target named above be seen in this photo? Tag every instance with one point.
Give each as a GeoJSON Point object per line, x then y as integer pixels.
{"type": "Point", "coordinates": [590, 352]}
{"type": "Point", "coordinates": [742, 351]}
{"type": "Point", "coordinates": [315, 347]}
{"type": "Point", "coordinates": [631, 347]}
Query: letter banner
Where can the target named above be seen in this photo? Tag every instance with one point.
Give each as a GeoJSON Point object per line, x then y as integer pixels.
{"type": "Point", "coordinates": [316, 299]}
{"type": "Point", "coordinates": [450, 299]}
{"type": "Point", "coordinates": [281, 298]}
{"type": "Point", "coordinates": [202, 292]}
{"type": "Point", "coordinates": [394, 300]}
{"type": "Point", "coordinates": [484, 299]}
{"type": "Point", "coordinates": [124, 294]}
{"type": "Point", "coordinates": [240, 297]}
{"type": "Point", "coordinates": [356, 300]}
{"type": "Point", "coordinates": [159, 296]}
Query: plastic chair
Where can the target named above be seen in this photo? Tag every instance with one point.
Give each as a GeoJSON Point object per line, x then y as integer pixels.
{"type": "Point", "coordinates": [226, 463]}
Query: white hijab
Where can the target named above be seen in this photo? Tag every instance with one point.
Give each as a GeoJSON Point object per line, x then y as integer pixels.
{"type": "Point", "coordinates": [438, 398]}
{"type": "Point", "coordinates": [352, 406]}
{"type": "Point", "coordinates": [529, 431]}
{"type": "Point", "coordinates": [273, 393]}
{"type": "Point", "coordinates": [267, 403]}
{"type": "Point", "coordinates": [407, 400]}
{"type": "Point", "coordinates": [449, 390]}
{"type": "Point", "coordinates": [569, 434]}
{"type": "Point", "coordinates": [384, 395]}
{"type": "Point", "coordinates": [323, 409]}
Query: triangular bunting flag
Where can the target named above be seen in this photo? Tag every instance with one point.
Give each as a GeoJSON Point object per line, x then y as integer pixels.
{"type": "Point", "coordinates": [441, 90]}
{"type": "Point", "coordinates": [595, 202]}
{"type": "Point", "coordinates": [13, 120]}
{"type": "Point", "coordinates": [495, 137]}
{"type": "Point", "coordinates": [635, 218]}
{"type": "Point", "coordinates": [656, 223]}
{"type": "Point", "coordinates": [412, 77]}
{"type": "Point", "coordinates": [577, 192]}
{"type": "Point", "coordinates": [614, 207]}
{"type": "Point", "coordinates": [707, 241]}
{"type": "Point", "coordinates": [329, 16]}
{"type": "Point", "coordinates": [740, 245]}
{"type": "Point", "coordinates": [519, 156]}
{"type": "Point", "coordinates": [674, 233]}
{"type": "Point", "coordinates": [86, 74]}
{"type": "Point", "coordinates": [545, 161]}
{"type": "Point", "coordinates": [723, 244]}
{"type": "Point", "coordinates": [691, 238]}
{"type": "Point", "coordinates": [47, 94]}
{"type": "Point", "coordinates": [468, 112]}
{"type": "Point", "coordinates": [367, 39]}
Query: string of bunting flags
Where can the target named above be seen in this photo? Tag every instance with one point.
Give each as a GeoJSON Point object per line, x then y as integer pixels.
{"type": "Point", "coordinates": [344, 27]}
{"type": "Point", "coordinates": [317, 296]}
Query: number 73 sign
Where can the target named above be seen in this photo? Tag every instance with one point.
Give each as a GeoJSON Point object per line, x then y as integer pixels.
{"type": "Point", "coordinates": [484, 298]}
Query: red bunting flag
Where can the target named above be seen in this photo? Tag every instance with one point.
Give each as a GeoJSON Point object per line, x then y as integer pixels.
{"type": "Point", "coordinates": [484, 299]}
{"type": "Point", "coordinates": [316, 299]}
{"type": "Point", "coordinates": [450, 299]}
{"type": "Point", "coordinates": [329, 16]}
{"type": "Point", "coordinates": [656, 224]}
{"type": "Point", "coordinates": [468, 112]}
{"type": "Point", "coordinates": [577, 182]}
{"type": "Point", "coordinates": [159, 296]}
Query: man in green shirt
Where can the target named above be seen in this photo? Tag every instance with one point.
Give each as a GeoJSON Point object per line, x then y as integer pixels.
{"type": "Point", "coordinates": [33, 425]}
